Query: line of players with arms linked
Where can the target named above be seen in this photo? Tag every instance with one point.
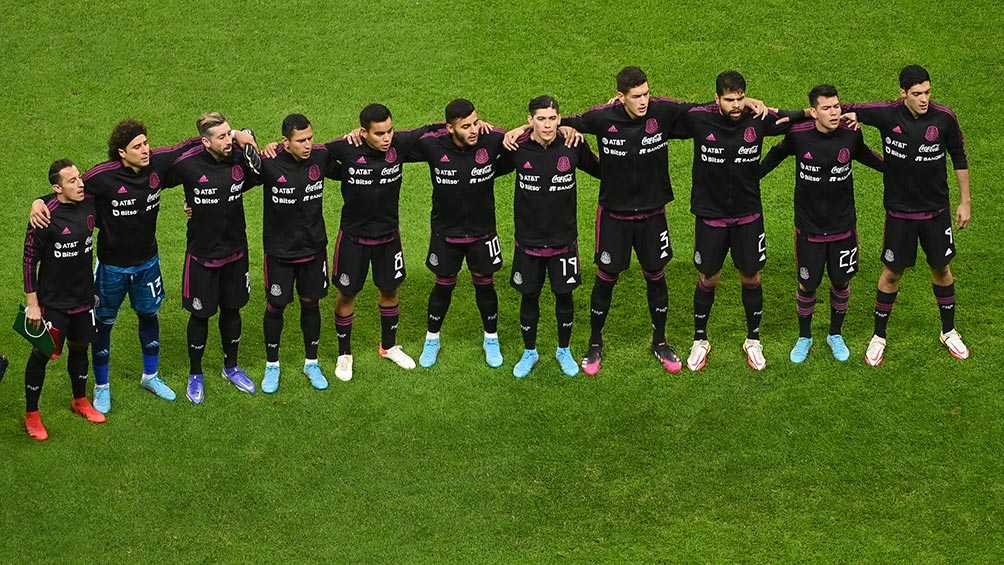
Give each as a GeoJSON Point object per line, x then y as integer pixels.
{"type": "Point", "coordinates": [121, 199]}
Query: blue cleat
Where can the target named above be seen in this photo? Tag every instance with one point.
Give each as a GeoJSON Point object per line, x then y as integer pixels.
{"type": "Point", "coordinates": [195, 390]}
{"type": "Point", "coordinates": [429, 353]}
{"type": "Point", "coordinates": [313, 372]}
{"type": "Point", "coordinates": [525, 364]}
{"type": "Point", "coordinates": [155, 385]}
{"type": "Point", "coordinates": [239, 379]}
{"type": "Point", "coordinates": [270, 383]}
{"type": "Point", "coordinates": [840, 351]}
{"type": "Point", "coordinates": [567, 362]}
{"type": "Point", "coordinates": [493, 356]}
{"type": "Point", "coordinates": [103, 398]}
{"type": "Point", "coordinates": [801, 350]}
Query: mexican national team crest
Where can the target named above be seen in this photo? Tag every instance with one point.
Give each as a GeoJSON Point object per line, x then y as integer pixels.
{"type": "Point", "coordinates": [481, 157]}
{"type": "Point", "coordinates": [605, 258]}
{"type": "Point", "coordinates": [564, 164]}
{"type": "Point", "coordinates": [343, 279]}
{"type": "Point", "coordinates": [803, 273]}
{"type": "Point", "coordinates": [517, 278]}
{"type": "Point", "coordinates": [154, 181]}
{"type": "Point", "coordinates": [391, 155]}
{"type": "Point", "coordinates": [889, 255]}
{"type": "Point", "coordinates": [433, 259]}
{"type": "Point", "coordinates": [651, 126]}
{"type": "Point", "coordinates": [90, 222]}
{"type": "Point", "coordinates": [196, 304]}
{"type": "Point", "coordinates": [697, 257]}
{"type": "Point", "coordinates": [749, 136]}
{"type": "Point", "coordinates": [237, 172]}
{"type": "Point", "coordinates": [844, 155]}
{"type": "Point", "coordinates": [276, 290]}
{"type": "Point", "coordinates": [931, 134]}
{"type": "Point", "coordinates": [315, 172]}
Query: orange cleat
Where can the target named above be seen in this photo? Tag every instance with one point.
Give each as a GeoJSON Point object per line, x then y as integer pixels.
{"type": "Point", "coordinates": [33, 422]}
{"type": "Point", "coordinates": [83, 407]}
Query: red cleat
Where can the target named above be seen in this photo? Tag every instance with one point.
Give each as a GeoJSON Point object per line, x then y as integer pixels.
{"type": "Point", "coordinates": [33, 423]}
{"type": "Point", "coordinates": [83, 407]}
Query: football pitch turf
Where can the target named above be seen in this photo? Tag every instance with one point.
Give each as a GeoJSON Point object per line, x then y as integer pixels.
{"type": "Point", "coordinates": [821, 462]}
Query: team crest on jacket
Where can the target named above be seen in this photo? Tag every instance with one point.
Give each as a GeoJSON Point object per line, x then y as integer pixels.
{"type": "Point", "coordinates": [391, 155]}
{"type": "Point", "coordinates": [651, 126]}
{"type": "Point", "coordinates": [844, 155]}
{"type": "Point", "coordinates": [564, 164]}
{"type": "Point", "coordinates": [314, 173]}
{"type": "Point", "coordinates": [154, 180]}
{"type": "Point", "coordinates": [481, 157]}
{"type": "Point", "coordinates": [749, 136]}
{"type": "Point", "coordinates": [237, 172]}
{"type": "Point", "coordinates": [276, 290]}
{"type": "Point", "coordinates": [90, 222]}
{"type": "Point", "coordinates": [932, 133]}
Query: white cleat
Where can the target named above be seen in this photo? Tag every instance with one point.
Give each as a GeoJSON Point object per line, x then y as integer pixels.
{"type": "Point", "coordinates": [876, 351]}
{"type": "Point", "coordinates": [397, 355]}
{"type": "Point", "coordinates": [754, 354]}
{"type": "Point", "coordinates": [698, 354]}
{"type": "Point", "coordinates": [343, 370]}
{"type": "Point", "coordinates": [953, 341]}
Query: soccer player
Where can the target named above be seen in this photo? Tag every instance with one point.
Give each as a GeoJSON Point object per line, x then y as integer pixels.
{"type": "Point", "coordinates": [369, 232]}
{"type": "Point", "coordinates": [462, 167]}
{"type": "Point", "coordinates": [725, 200]}
{"type": "Point", "coordinates": [826, 236]}
{"type": "Point", "coordinates": [295, 243]}
{"type": "Point", "coordinates": [544, 211]}
{"type": "Point", "coordinates": [216, 259]}
{"type": "Point", "coordinates": [126, 191]}
{"type": "Point", "coordinates": [59, 286]}
{"type": "Point", "coordinates": [917, 133]}
{"type": "Point", "coordinates": [632, 134]}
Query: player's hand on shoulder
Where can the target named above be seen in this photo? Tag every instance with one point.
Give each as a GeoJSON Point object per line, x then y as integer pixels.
{"type": "Point", "coordinates": [355, 137]}
{"type": "Point", "coordinates": [509, 141]}
{"type": "Point", "coordinates": [243, 137]}
{"type": "Point", "coordinates": [484, 127]}
{"type": "Point", "coordinates": [271, 150]}
{"type": "Point", "coordinates": [572, 136]}
{"type": "Point", "coordinates": [851, 119]}
{"type": "Point", "coordinates": [758, 108]}
{"type": "Point", "coordinates": [39, 217]}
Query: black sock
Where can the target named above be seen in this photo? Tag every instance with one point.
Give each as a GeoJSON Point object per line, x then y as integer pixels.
{"type": "Point", "coordinates": [439, 302]}
{"type": "Point", "coordinates": [76, 366]}
{"type": "Point", "coordinates": [34, 377]}
{"type": "Point", "coordinates": [599, 305]}
{"type": "Point", "coordinates": [945, 296]}
{"type": "Point", "coordinates": [839, 297]}
{"type": "Point", "coordinates": [704, 299]}
{"type": "Point", "coordinates": [753, 304]}
{"type": "Point", "coordinates": [343, 328]}
{"type": "Point", "coordinates": [564, 311]}
{"type": "Point", "coordinates": [310, 325]}
{"type": "Point", "coordinates": [230, 335]}
{"type": "Point", "coordinates": [198, 333]}
{"type": "Point", "coordinates": [883, 309]}
{"type": "Point", "coordinates": [806, 305]}
{"type": "Point", "coordinates": [389, 317]}
{"type": "Point", "coordinates": [272, 325]}
{"type": "Point", "coordinates": [488, 302]}
{"type": "Point", "coordinates": [529, 317]}
{"type": "Point", "coordinates": [658, 304]}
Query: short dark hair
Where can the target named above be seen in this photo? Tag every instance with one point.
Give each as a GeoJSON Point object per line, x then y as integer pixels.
{"type": "Point", "coordinates": [823, 90]}
{"type": "Point", "coordinates": [911, 75]}
{"type": "Point", "coordinates": [56, 167]}
{"type": "Point", "coordinates": [294, 122]}
{"type": "Point", "coordinates": [372, 114]}
{"type": "Point", "coordinates": [458, 110]}
{"type": "Point", "coordinates": [542, 103]}
{"type": "Point", "coordinates": [630, 77]}
{"type": "Point", "coordinates": [730, 81]}
{"type": "Point", "coordinates": [124, 132]}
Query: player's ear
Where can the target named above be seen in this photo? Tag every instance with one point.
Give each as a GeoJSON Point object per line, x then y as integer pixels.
{"type": "Point", "coordinates": [902, 93]}
{"type": "Point", "coordinates": [122, 153]}
{"type": "Point", "coordinates": [205, 142]}
{"type": "Point", "coordinates": [620, 96]}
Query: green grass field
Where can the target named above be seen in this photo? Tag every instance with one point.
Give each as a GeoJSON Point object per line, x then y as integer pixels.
{"type": "Point", "coordinates": [824, 462]}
